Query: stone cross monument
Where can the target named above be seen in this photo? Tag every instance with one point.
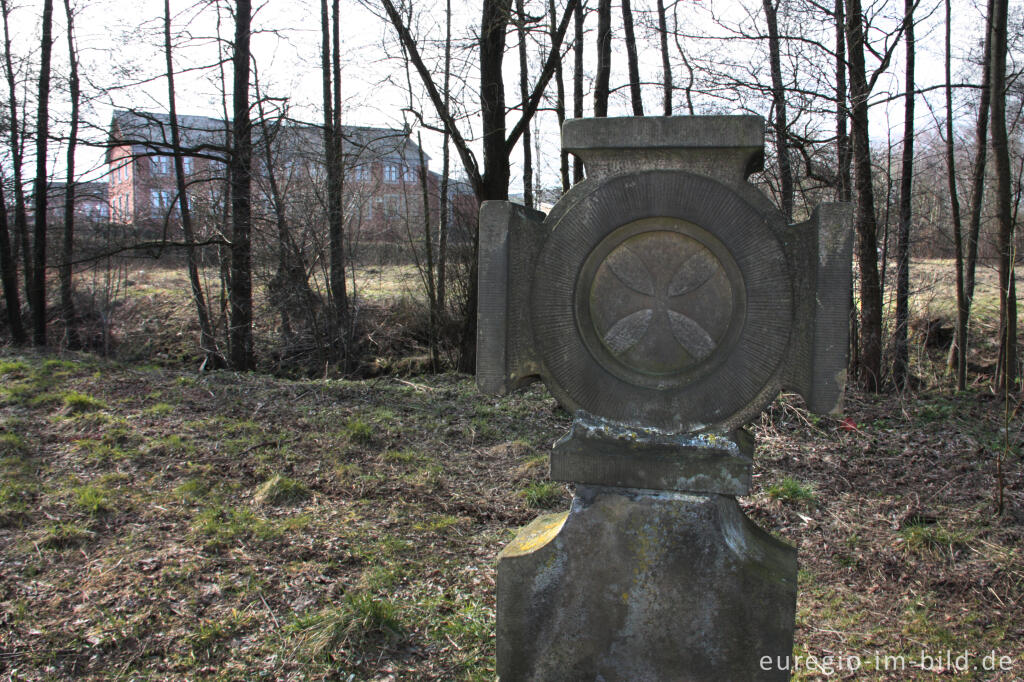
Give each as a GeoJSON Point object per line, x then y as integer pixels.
{"type": "Point", "coordinates": [665, 302]}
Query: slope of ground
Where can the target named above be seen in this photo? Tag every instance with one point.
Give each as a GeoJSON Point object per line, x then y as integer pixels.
{"type": "Point", "coordinates": [158, 524]}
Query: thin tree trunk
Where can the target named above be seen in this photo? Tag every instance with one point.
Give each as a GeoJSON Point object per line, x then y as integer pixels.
{"type": "Point", "coordinates": [666, 63]}
{"type": "Point", "coordinates": [240, 172]}
{"type": "Point", "coordinates": [339, 294]}
{"type": "Point", "coordinates": [17, 159]}
{"type": "Point", "coordinates": [67, 301]}
{"type": "Point", "coordinates": [332, 134]}
{"type": "Point", "coordinates": [978, 177]}
{"type": "Point", "coordinates": [442, 230]}
{"type": "Point", "coordinates": [577, 83]}
{"type": "Point", "coordinates": [207, 341]}
{"type": "Point", "coordinates": [559, 101]}
{"type": "Point", "coordinates": [688, 88]}
{"type": "Point", "coordinates": [428, 246]}
{"type": "Point", "coordinates": [493, 182]}
{"type": "Point", "coordinates": [636, 95]}
{"type": "Point", "coordinates": [901, 359]}
{"type": "Point", "coordinates": [604, 57]}
{"type": "Point", "coordinates": [9, 273]}
{"type": "Point", "coordinates": [843, 156]}
{"type": "Point", "coordinates": [524, 94]}
{"type": "Point", "coordinates": [779, 106]}
{"type": "Point", "coordinates": [870, 362]}
{"type": "Point", "coordinates": [844, 184]}
{"type": "Point", "coordinates": [958, 351]}
{"type": "Point", "coordinates": [37, 295]}
{"type": "Point", "coordinates": [1006, 373]}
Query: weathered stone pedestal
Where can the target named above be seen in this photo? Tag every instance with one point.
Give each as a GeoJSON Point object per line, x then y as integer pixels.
{"type": "Point", "coordinates": [665, 302]}
{"type": "Point", "coordinates": [644, 585]}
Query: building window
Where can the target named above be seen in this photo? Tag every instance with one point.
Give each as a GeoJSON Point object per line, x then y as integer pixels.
{"type": "Point", "coordinates": [186, 162]}
{"type": "Point", "coordinates": [160, 202]}
{"type": "Point", "coordinates": [161, 165]}
{"type": "Point", "coordinates": [410, 174]}
{"type": "Point", "coordinates": [391, 171]}
{"type": "Point", "coordinates": [362, 173]}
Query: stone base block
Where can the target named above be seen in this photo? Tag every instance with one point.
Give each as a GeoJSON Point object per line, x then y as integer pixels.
{"type": "Point", "coordinates": [596, 452]}
{"type": "Point", "coordinates": [644, 585]}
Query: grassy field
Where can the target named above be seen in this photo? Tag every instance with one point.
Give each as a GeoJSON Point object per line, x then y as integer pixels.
{"type": "Point", "coordinates": [157, 524]}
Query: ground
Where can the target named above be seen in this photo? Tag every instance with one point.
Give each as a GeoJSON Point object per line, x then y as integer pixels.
{"type": "Point", "coordinates": [158, 523]}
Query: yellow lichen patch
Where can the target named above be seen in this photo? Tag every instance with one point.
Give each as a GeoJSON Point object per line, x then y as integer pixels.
{"type": "Point", "coordinates": [536, 535]}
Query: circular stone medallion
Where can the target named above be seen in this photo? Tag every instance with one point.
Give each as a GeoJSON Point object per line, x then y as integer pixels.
{"type": "Point", "coordinates": [662, 299]}
{"type": "Point", "coordinates": [656, 300]}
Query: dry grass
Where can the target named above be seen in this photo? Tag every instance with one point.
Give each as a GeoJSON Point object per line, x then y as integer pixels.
{"type": "Point", "coordinates": [236, 526]}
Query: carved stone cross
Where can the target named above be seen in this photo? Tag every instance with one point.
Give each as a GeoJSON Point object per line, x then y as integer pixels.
{"type": "Point", "coordinates": [665, 302]}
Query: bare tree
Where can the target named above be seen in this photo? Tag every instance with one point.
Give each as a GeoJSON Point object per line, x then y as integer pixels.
{"type": "Point", "coordinates": [9, 273]}
{"type": "Point", "coordinates": [970, 255]}
{"type": "Point", "coordinates": [779, 107]}
{"type": "Point", "coordinates": [207, 341]}
{"type": "Point", "coordinates": [37, 293]}
{"type": "Point", "coordinates": [636, 95]}
{"type": "Point", "coordinates": [524, 94]}
{"type": "Point", "coordinates": [491, 181]}
{"type": "Point", "coordinates": [901, 359]}
{"type": "Point", "coordinates": [666, 64]}
{"type": "Point", "coordinates": [577, 80]}
{"type": "Point", "coordinates": [17, 157]}
{"type": "Point", "coordinates": [240, 175]}
{"type": "Point", "coordinates": [604, 57]}
{"type": "Point", "coordinates": [67, 302]}
{"type": "Point", "coordinates": [1006, 368]}
{"type": "Point", "coordinates": [869, 362]}
{"type": "Point", "coordinates": [958, 350]}
{"type": "Point", "coordinates": [331, 65]}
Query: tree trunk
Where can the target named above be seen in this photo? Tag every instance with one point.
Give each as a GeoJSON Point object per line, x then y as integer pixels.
{"type": "Point", "coordinates": [1006, 373]}
{"type": "Point", "coordinates": [559, 100]}
{"type": "Point", "coordinates": [212, 357]}
{"type": "Point", "coordinates": [336, 218]}
{"type": "Point", "coordinates": [666, 64]}
{"type": "Point", "coordinates": [442, 230]}
{"type": "Point", "coordinates": [9, 273]}
{"type": "Point", "coordinates": [901, 359]}
{"type": "Point", "coordinates": [524, 93]}
{"type": "Point", "coordinates": [958, 350]}
{"type": "Point", "coordinates": [604, 57]}
{"type": "Point", "coordinates": [492, 183]}
{"type": "Point", "coordinates": [67, 301]}
{"type": "Point", "coordinates": [843, 156]}
{"type": "Point", "coordinates": [870, 362]}
{"type": "Point", "coordinates": [636, 95]}
{"type": "Point", "coordinates": [779, 106]}
{"type": "Point", "coordinates": [37, 295]}
{"type": "Point", "coordinates": [577, 83]}
{"type": "Point", "coordinates": [17, 160]}
{"type": "Point", "coordinates": [240, 173]}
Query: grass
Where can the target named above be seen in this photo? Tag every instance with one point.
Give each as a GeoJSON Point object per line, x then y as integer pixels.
{"type": "Point", "coordinates": [93, 500]}
{"type": "Point", "coordinates": [267, 528]}
{"type": "Point", "coordinates": [360, 619]}
{"type": "Point", "coordinates": [791, 490]}
{"type": "Point", "coordinates": [358, 431]}
{"type": "Point", "coordinates": [542, 494]}
{"type": "Point", "coordinates": [280, 490]}
{"type": "Point", "coordinates": [12, 445]}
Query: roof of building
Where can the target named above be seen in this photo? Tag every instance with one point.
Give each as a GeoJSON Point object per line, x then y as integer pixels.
{"type": "Point", "coordinates": [206, 135]}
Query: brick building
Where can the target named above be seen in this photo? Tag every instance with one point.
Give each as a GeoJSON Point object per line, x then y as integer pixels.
{"type": "Point", "coordinates": [382, 171]}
